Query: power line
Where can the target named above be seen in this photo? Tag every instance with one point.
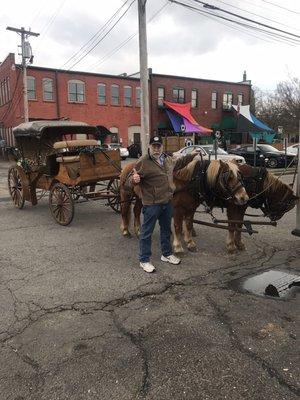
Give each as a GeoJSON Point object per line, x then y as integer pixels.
{"type": "Point", "coordinates": [12, 97]}
{"type": "Point", "coordinates": [122, 44]}
{"type": "Point", "coordinates": [103, 37]}
{"type": "Point", "coordinates": [257, 15]}
{"type": "Point", "coordinates": [274, 35]}
{"type": "Point", "coordinates": [214, 8]}
{"type": "Point", "coordinates": [96, 35]}
{"type": "Point", "coordinates": [283, 8]}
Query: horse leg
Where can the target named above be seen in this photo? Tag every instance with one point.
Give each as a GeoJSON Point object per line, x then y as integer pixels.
{"type": "Point", "coordinates": [137, 216]}
{"type": "Point", "coordinates": [188, 232]}
{"type": "Point", "coordinates": [125, 213]}
{"type": "Point", "coordinates": [230, 243]}
{"type": "Point", "coordinates": [178, 221]}
{"type": "Point", "coordinates": [238, 235]}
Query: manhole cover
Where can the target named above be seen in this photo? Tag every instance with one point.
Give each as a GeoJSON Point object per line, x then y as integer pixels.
{"type": "Point", "coordinates": [272, 283]}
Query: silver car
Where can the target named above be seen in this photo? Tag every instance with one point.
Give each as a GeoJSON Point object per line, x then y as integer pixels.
{"type": "Point", "coordinates": [207, 152]}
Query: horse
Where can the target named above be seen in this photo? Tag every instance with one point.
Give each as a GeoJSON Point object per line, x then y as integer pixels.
{"type": "Point", "coordinates": [265, 191]}
{"type": "Point", "coordinates": [211, 182]}
{"type": "Point", "coordinates": [222, 178]}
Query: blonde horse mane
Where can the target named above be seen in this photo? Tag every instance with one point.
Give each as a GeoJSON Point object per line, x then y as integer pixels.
{"type": "Point", "coordinates": [214, 167]}
{"type": "Point", "coordinates": [273, 184]}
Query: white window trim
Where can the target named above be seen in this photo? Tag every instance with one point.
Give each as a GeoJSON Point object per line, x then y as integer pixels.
{"type": "Point", "coordinates": [77, 81]}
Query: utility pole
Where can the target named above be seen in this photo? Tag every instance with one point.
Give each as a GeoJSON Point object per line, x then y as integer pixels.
{"type": "Point", "coordinates": [25, 55]}
{"type": "Point", "coordinates": [296, 231]}
{"type": "Point", "coordinates": [145, 126]}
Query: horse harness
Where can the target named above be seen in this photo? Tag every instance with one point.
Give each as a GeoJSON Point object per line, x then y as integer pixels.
{"type": "Point", "coordinates": [254, 185]}
{"type": "Point", "coordinates": [199, 188]}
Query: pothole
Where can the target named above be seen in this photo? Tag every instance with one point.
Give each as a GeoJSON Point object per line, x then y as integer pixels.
{"type": "Point", "coordinates": [272, 283]}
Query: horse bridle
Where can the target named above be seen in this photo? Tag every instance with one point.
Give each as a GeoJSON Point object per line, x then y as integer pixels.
{"type": "Point", "coordinates": [276, 213]}
{"type": "Point", "coordinates": [223, 179]}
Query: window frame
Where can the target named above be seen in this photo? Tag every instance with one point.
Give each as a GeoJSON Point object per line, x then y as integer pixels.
{"type": "Point", "coordinates": [125, 98]}
{"type": "Point", "coordinates": [196, 99]}
{"type": "Point", "coordinates": [99, 96]}
{"type": "Point", "coordinates": [77, 93]}
{"type": "Point", "coordinates": [238, 98]}
{"type": "Point", "coordinates": [214, 102]}
{"type": "Point", "coordinates": [45, 81]}
{"type": "Point", "coordinates": [160, 99]}
{"type": "Point", "coordinates": [32, 79]}
{"type": "Point", "coordinates": [179, 90]}
{"type": "Point", "coordinates": [112, 97]}
{"type": "Point", "coordinates": [227, 103]}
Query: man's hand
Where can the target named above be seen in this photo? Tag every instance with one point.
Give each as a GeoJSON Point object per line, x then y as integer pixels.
{"type": "Point", "coordinates": [136, 177]}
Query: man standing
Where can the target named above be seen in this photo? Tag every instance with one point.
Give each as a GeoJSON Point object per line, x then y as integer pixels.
{"type": "Point", "coordinates": [154, 174]}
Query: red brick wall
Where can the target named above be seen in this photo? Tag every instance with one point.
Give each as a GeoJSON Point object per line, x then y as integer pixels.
{"type": "Point", "coordinates": [203, 113]}
{"type": "Point", "coordinates": [90, 111]}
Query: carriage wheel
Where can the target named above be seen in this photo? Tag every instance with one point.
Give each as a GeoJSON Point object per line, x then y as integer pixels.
{"type": "Point", "coordinates": [61, 204]}
{"type": "Point", "coordinates": [114, 201]}
{"type": "Point", "coordinates": [15, 187]}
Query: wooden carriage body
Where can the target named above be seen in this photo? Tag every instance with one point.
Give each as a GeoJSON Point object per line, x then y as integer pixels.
{"type": "Point", "coordinates": [50, 157]}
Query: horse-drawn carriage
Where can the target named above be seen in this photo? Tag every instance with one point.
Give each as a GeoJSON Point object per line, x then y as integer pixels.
{"type": "Point", "coordinates": [65, 159]}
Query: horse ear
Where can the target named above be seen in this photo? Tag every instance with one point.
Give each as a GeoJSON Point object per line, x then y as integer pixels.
{"type": "Point", "coordinates": [222, 163]}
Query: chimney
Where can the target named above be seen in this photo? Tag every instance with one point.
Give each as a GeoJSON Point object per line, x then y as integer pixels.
{"type": "Point", "coordinates": [244, 76]}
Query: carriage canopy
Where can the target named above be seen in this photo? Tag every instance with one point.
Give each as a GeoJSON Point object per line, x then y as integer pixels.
{"type": "Point", "coordinates": [36, 129]}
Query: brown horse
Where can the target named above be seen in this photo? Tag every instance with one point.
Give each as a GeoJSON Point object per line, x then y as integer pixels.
{"type": "Point", "coordinates": [265, 191]}
{"type": "Point", "coordinates": [222, 179]}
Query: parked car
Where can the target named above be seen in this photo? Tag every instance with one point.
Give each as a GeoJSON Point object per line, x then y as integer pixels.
{"type": "Point", "coordinates": [123, 150]}
{"type": "Point", "coordinates": [222, 154]}
{"type": "Point", "coordinates": [293, 149]}
{"type": "Point", "coordinates": [135, 150]}
{"type": "Point", "coordinates": [205, 150]}
{"type": "Point", "coordinates": [275, 158]}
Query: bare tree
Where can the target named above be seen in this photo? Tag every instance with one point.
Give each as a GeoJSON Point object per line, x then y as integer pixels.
{"type": "Point", "coordinates": [281, 107]}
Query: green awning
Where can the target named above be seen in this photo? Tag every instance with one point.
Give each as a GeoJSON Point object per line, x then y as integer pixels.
{"type": "Point", "coordinates": [226, 123]}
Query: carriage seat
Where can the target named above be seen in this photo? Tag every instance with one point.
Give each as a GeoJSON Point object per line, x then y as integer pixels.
{"type": "Point", "coordinates": [67, 159]}
{"type": "Point", "coordinates": [65, 144]}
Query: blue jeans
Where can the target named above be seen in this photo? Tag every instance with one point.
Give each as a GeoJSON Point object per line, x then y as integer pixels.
{"type": "Point", "coordinates": [163, 213]}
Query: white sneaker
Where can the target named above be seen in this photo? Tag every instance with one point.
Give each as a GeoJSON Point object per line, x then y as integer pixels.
{"type": "Point", "coordinates": [147, 266]}
{"type": "Point", "coordinates": [171, 259]}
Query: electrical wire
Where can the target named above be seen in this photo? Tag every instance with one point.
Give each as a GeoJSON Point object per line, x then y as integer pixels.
{"type": "Point", "coordinates": [103, 37]}
{"type": "Point", "coordinates": [7, 111]}
{"type": "Point", "coordinates": [211, 7]}
{"type": "Point", "coordinates": [275, 36]}
{"type": "Point", "coordinates": [96, 35]}
{"type": "Point", "coordinates": [122, 44]}
{"type": "Point", "coordinates": [257, 15]}
{"type": "Point", "coordinates": [283, 8]}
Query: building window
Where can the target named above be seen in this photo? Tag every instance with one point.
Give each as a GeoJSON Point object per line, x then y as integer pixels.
{"type": "Point", "coordinates": [102, 93]}
{"type": "Point", "coordinates": [178, 95]}
{"type": "Point", "coordinates": [194, 98]}
{"type": "Point", "coordinates": [48, 89]}
{"type": "Point", "coordinates": [115, 95]}
{"type": "Point", "coordinates": [214, 100]}
{"type": "Point", "coordinates": [240, 98]}
{"type": "Point", "coordinates": [76, 91]}
{"type": "Point", "coordinates": [31, 92]}
{"type": "Point", "coordinates": [114, 137]}
{"type": "Point", "coordinates": [127, 96]}
{"type": "Point", "coordinates": [138, 97]}
{"type": "Point", "coordinates": [227, 101]}
{"type": "Point", "coordinates": [160, 96]}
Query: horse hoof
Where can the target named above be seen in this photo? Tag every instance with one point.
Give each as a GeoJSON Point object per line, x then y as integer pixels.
{"type": "Point", "coordinates": [241, 246]}
{"type": "Point", "coordinates": [127, 234]}
{"type": "Point", "coordinates": [231, 250]}
{"type": "Point", "coordinates": [193, 249]}
{"type": "Point", "coordinates": [179, 250]}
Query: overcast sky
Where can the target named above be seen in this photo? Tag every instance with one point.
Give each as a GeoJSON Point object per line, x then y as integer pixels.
{"type": "Point", "coordinates": [180, 41]}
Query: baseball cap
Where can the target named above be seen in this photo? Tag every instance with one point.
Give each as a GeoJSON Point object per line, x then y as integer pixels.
{"type": "Point", "coordinates": [155, 140]}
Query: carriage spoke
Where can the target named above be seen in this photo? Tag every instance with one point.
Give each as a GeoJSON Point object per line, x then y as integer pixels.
{"type": "Point", "coordinates": [61, 204]}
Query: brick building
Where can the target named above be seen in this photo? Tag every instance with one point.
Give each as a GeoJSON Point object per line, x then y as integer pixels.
{"type": "Point", "coordinates": [110, 100]}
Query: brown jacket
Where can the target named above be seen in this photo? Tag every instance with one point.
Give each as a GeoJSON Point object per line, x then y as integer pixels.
{"type": "Point", "coordinates": [157, 186]}
{"type": "Point", "coordinates": [156, 183]}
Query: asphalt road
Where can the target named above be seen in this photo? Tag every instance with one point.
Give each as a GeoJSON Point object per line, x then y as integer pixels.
{"type": "Point", "coordinates": [80, 320]}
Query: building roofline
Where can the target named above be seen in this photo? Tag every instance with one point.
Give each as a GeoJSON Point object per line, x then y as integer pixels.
{"type": "Point", "coordinates": [201, 80]}
{"type": "Point", "coordinates": [32, 67]}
